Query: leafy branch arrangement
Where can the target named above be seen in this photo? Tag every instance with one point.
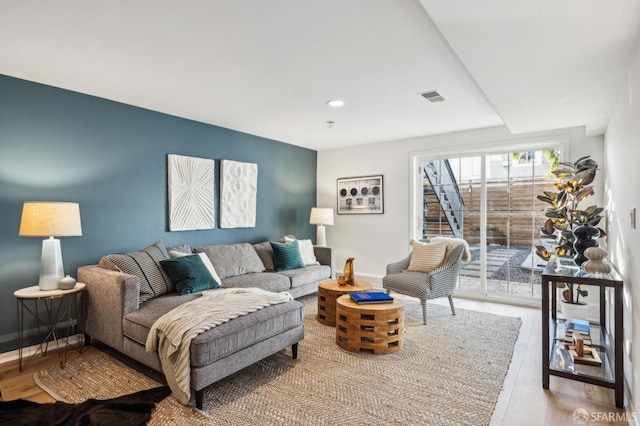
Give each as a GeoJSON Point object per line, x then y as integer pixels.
{"type": "Point", "coordinates": [563, 215]}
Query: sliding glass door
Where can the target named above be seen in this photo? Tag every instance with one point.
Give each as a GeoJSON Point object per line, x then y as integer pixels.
{"type": "Point", "coordinates": [489, 200]}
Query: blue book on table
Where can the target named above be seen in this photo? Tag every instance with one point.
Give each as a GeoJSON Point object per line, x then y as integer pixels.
{"type": "Point", "coordinates": [578, 325]}
{"type": "Point", "coordinates": [371, 297]}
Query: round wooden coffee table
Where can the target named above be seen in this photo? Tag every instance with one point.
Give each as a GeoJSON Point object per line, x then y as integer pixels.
{"type": "Point", "coordinates": [376, 328]}
{"type": "Point", "coordinates": [328, 292]}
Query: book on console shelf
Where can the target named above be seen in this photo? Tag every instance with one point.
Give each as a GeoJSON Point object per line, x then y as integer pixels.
{"type": "Point", "coordinates": [578, 326]}
{"type": "Point", "coordinates": [371, 297]}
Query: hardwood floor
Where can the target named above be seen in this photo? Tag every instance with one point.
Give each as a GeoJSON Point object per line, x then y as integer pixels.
{"type": "Point", "coordinates": [15, 384]}
{"type": "Point", "coordinates": [521, 402]}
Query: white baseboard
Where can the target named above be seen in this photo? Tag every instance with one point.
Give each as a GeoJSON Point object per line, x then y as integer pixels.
{"type": "Point", "coordinates": [30, 350]}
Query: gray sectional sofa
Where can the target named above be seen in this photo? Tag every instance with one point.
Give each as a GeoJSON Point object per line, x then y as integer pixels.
{"type": "Point", "coordinates": [119, 308]}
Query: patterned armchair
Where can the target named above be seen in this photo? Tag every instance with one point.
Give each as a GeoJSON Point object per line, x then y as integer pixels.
{"type": "Point", "coordinates": [426, 286]}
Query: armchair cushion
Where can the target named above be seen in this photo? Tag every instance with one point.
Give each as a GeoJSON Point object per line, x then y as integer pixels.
{"type": "Point", "coordinates": [425, 257]}
{"type": "Point", "coordinates": [452, 243]}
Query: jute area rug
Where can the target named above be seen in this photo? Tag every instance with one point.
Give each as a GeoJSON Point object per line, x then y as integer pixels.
{"type": "Point", "coordinates": [449, 372]}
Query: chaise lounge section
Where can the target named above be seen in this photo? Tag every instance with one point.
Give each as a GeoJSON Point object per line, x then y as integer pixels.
{"type": "Point", "coordinates": [114, 313]}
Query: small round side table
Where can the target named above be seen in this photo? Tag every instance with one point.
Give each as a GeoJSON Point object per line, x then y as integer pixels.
{"type": "Point", "coordinates": [328, 292]}
{"type": "Point", "coordinates": [57, 306]}
{"type": "Point", "coordinates": [376, 328]}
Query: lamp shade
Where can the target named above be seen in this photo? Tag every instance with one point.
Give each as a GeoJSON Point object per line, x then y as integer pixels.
{"type": "Point", "coordinates": [321, 216]}
{"type": "Point", "coordinates": [50, 219]}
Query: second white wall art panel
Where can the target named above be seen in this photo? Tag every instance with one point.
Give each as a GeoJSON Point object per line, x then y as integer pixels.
{"type": "Point", "coordinates": [238, 194]}
{"type": "Point", "coordinates": [191, 193]}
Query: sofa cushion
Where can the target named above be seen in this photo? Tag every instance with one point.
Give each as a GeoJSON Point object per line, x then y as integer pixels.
{"type": "Point", "coordinates": [232, 260]}
{"type": "Point", "coordinates": [145, 264]}
{"type": "Point", "coordinates": [189, 274]}
{"type": "Point", "coordinates": [265, 252]}
{"type": "Point", "coordinates": [270, 281]}
{"type": "Point", "coordinates": [182, 248]}
{"type": "Point", "coordinates": [136, 324]}
{"type": "Point", "coordinates": [308, 274]}
{"type": "Point", "coordinates": [244, 331]}
{"type": "Point", "coordinates": [287, 255]}
{"type": "Point", "coordinates": [224, 339]}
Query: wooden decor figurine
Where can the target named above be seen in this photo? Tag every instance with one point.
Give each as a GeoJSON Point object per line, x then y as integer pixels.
{"type": "Point", "coordinates": [581, 354]}
{"type": "Point", "coordinates": [347, 276]}
{"type": "Point", "coordinates": [578, 342]}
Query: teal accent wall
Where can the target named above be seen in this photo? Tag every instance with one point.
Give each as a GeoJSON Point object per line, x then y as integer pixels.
{"type": "Point", "coordinates": [111, 158]}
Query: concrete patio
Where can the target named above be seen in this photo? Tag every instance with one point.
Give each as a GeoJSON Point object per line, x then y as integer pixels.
{"type": "Point", "coordinates": [510, 272]}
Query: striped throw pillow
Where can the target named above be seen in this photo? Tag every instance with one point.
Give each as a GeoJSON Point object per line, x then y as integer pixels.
{"type": "Point", "coordinates": [425, 257]}
{"type": "Point", "coordinates": [145, 264]}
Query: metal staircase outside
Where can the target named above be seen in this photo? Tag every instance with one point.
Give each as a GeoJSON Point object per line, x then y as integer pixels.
{"type": "Point", "coordinates": [442, 202]}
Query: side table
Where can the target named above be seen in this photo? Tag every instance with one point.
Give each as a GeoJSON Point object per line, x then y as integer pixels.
{"type": "Point", "coordinates": [328, 293]}
{"type": "Point", "coordinates": [56, 309]}
{"type": "Point", "coordinates": [376, 328]}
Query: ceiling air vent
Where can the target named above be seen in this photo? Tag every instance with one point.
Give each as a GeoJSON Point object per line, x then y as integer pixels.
{"type": "Point", "coordinates": [432, 96]}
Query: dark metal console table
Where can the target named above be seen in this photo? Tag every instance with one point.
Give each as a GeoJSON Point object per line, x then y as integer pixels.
{"type": "Point", "coordinates": [610, 347]}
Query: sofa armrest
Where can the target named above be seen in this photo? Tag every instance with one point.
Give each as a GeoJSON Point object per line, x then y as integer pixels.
{"type": "Point", "coordinates": [326, 256]}
{"type": "Point", "coordinates": [108, 297]}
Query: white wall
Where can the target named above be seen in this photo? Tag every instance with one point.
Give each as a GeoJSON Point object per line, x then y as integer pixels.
{"type": "Point", "coordinates": [622, 166]}
{"type": "Point", "coordinates": [376, 240]}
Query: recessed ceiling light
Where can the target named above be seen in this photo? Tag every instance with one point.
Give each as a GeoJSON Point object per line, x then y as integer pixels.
{"type": "Point", "coordinates": [335, 103]}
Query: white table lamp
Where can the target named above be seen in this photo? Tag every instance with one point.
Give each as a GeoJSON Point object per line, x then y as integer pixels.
{"type": "Point", "coordinates": [321, 217]}
{"type": "Point", "coordinates": [50, 219]}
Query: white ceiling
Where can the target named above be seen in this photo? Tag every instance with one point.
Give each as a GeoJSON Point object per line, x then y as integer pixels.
{"type": "Point", "coordinates": [544, 64]}
{"type": "Point", "coordinates": [268, 67]}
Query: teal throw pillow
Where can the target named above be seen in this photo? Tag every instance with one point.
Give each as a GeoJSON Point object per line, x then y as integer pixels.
{"type": "Point", "coordinates": [287, 256]}
{"type": "Point", "coordinates": [189, 274]}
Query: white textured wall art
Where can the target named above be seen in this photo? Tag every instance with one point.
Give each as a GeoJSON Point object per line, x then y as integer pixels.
{"type": "Point", "coordinates": [238, 193]}
{"type": "Point", "coordinates": [191, 185]}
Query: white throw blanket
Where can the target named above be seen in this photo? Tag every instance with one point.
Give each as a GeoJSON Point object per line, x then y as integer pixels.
{"type": "Point", "coordinates": [172, 333]}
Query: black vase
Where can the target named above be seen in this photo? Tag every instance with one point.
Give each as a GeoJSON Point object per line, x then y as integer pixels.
{"type": "Point", "coordinates": [585, 237]}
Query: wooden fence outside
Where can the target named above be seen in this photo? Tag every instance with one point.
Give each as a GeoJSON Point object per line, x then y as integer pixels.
{"type": "Point", "coordinates": [513, 212]}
